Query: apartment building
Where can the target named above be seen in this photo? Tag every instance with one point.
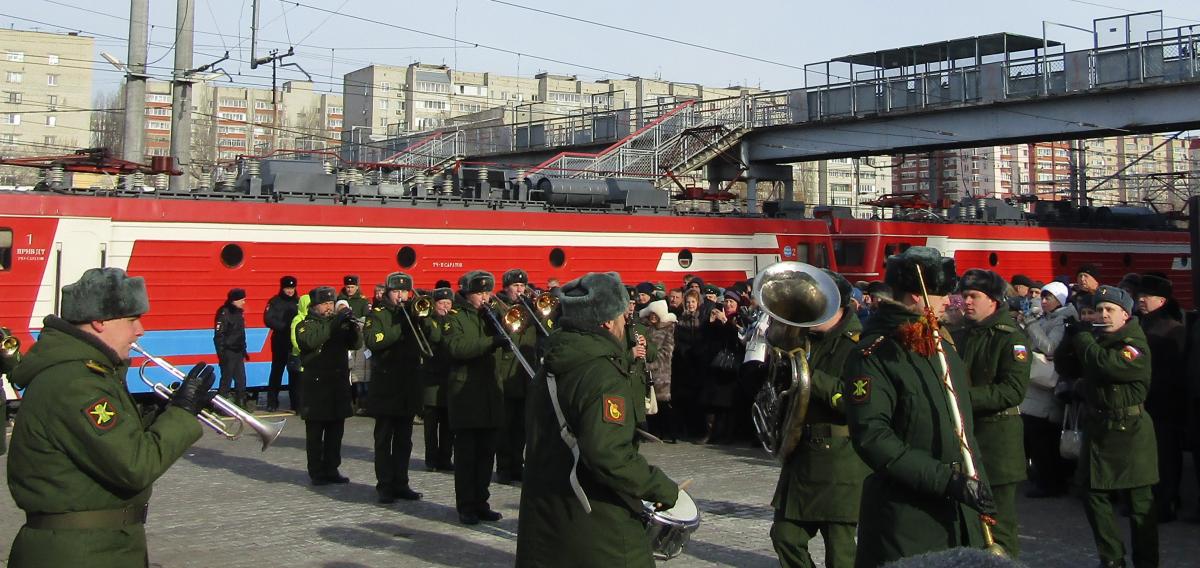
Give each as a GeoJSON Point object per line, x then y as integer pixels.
{"type": "Point", "coordinates": [45, 94]}
{"type": "Point", "coordinates": [844, 182]}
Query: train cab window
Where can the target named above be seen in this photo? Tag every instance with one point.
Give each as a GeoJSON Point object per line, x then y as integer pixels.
{"type": "Point", "coordinates": [6, 242]}
{"type": "Point", "coordinates": [821, 256]}
{"type": "Point", "coordinates": [849, 253]}
{"type": "Point", "coordinates": [802, 252]}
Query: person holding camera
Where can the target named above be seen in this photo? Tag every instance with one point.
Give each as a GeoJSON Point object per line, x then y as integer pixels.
{"type": "Point", "coordinates": [324, 337]}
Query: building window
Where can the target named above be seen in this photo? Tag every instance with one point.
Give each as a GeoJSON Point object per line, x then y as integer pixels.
{"type": "Point", "coordinates": [8, 139]}
{"type": "Point", "coordinates": [432, 87]}
{"type": "Point", "coordinates": [238, 116]}
{"type": "Point", "coordinates": [49, 140]}
{"type": "Point", "coordinates": [52, 80]}
{"type": "Point", "coordinates": [12, 118]}
{"type": "Point", "coordinates": [262, 117]}
{"type": "Point", "coordinates": [335, 123]}
{"type": "Point", "coordinates": [383, 104]}
{"type": "Point", "coordinates": [52, 59]}
{"type": "Point", "coordinates": [434, 105]}
{"type": "Point", "coordinates": [333, 110]}
{"type": "Point", "coordinates": [52, 100]}
{"type": "Point", "coordinates": [15, 77]}
{"type": "Point", "coordinates": [158, 125]}
{"type": "Point", "coordinates": [158, 98]}
{"type": "Point", "coordinates": [17, 56]}
{"type": "Point", "coordinates": [385, 86]}
{"type": "Point", "coordinates": [158, 111]}
{"type": "Point", "coordinates": [383, 121]}
{"type": "Point", "coordinates": [51, 120]}
{"type": "Point", "coordinates": [260, 105]}
{"type": "Point", "coordinates": [13, 97]}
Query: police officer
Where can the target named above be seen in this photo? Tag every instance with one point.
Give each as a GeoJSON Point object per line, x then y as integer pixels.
{"type": "Point", "coordinates": [324, 338]}
{"type": "Point", "coordinates": [229, 339]}
{"type": "Point", "coordinates": [510, 446]}
{"type": "Point", "coordinates": [474, 397]}
{"type": "Point", "coordinates": [997, 356]}
{"type": "Point", "coordinates": [587, 366]}
{"type": "Point", "coordinates": [820, 484]}
{"type": "Point", "coordinates": [83, 459]}
{"type": "Point", "coordinates": [918, 497]}
{"type": "Point", "coordinates": [439, 439]}
{"type": "Point", "coordinates": [396, 389]}
{"type": "Point", "coordinates": [280, 311]}
{"type": "Point", "coordinates": [1118, 457]}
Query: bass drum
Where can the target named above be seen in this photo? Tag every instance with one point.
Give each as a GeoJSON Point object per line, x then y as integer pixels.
{"type": "Point", "coordinates": [671, 529]}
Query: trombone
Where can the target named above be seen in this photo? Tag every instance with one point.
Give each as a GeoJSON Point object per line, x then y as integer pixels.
{"type": "Point", "coordinates": [421, 306]}
{"type": "Point", "coordinates": [267, 431]}
{"type": "Point", "coordinates": [514, 321]}
{"type": "Point", "coordinates": [540, 310]}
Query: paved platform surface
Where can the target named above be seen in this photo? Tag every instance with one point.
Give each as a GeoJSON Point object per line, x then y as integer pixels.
{"type": "Point", "coordinates": [226, 504]}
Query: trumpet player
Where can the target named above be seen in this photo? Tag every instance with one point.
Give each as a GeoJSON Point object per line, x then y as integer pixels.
{"type": "Point", "coordinates": [439, 440]}
{"type": "Point", "coordinates": [83, 459]}
{"type": "Point", "coordinates": [360, 368]}
{"type": "Point", "coordinates": [10, 355]}
{"type": "Point", "coordinates": [510, 446]}
{"type": "Point", "coordinates": [323, 338]}
{"type": "Point", "coordinates": [396, 387]}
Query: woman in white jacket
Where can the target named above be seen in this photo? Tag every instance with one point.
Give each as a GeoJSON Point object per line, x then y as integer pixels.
{"type": "Point", "coordinates": [1041, 411]}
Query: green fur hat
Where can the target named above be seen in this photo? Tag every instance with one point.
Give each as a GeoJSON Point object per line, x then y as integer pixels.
{"type": "Point", "coordinates": [986, 281]}
{"type": "Point", "coordinates": [103, 294]}
{"type": "Point", "coordinates": [480, 281]}
{"type": "Point", "coordinates": [1113, 295]}
{"type": "Point", "coordinates": [515, 276]}
{"type": "Point", "coordinates": [322, 294]}
{"type": "Point", "coordinates": [443, 294]}
{"type": "Point", "coordinates": [399, 281]}
{"type": "Point", "coordinates": [901, 272]}
{"type": "Point", "coordinates": [591, 300]}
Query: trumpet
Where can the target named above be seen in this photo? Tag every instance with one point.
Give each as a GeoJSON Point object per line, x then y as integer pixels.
{"type": "Point", "coordinates": [420, 306]}
{"type": "Point", "coordinates": [540, 310]}
{"type": "Point", "coordinates": [10, 347]}
{"type": "Point", "coordinates": [267, 431]}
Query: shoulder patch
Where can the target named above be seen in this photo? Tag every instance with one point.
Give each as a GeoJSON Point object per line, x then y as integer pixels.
{"type": "Point", "coordinates": [97, 367]}
{"type": "Point", "coordinates": [1130, 353]}
{"type": "Point", "coordinates": [446, 326]}
{"type": "Point", "coordinates": [614, 409]}
{"type": "Point", "coordinates": [860, 391]}
{"type": "Point", "coordinates": [102, 414]}
{"type": "Point", "coordinates": [1020, 353]}
{"type": "Point", "coordinates": [378, 336]}
{"type": "Point", "coordinates": [370, 322]}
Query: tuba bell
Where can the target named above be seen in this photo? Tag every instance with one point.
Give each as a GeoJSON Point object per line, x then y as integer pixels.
{"type": "Point", "coordinates": [795, 297]}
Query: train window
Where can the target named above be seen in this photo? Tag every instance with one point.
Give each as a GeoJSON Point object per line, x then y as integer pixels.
{"type": "Point", "coordinates": [685, 258]}
{"type": "Point", "coordinates": [6, 242]}
{"type": "Point", "coordinates": [821, 256]}
{"type": "Point", "coordinates": [1062, 259]}
{"type": "Point", "coordinates": [558, 258]}
{"type": "Point", "coordinates": [802, 252]}
{"type": "Point", "coordinates": [904, 247]}
{"type": "Point", "coordinates": [406, 257]}
{"type": "Point", "coordinates": [232, 255]}
{"type": "Point", "coordinates": [849, 253]}
{"type": "Point", "coordinates": [993, 259]}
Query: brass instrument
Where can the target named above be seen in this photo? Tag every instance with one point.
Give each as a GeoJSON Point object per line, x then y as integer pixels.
{"type": "Point", "coordinates": [10, 347]}
{"type": "Point", "coordinates": [541, 309]}
{"type": "Point", "coordinates": [421, 306]}
{"type": "Point", "coordinates": [267, 431]}
{"type": "Point", "coordinates": [795, 296]}
{"type": "Point", "coordinates": [512, 322]}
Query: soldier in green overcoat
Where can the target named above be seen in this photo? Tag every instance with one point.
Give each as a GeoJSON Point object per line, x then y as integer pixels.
{"type": "Point", "coordinates": [588, 366]}
{"type": "Point", "coordinates": [439, 439]}
{"type": "Point", "coordinates": [83, 458]}
{"type": "Point", "coordinates": [8, 362]}
{"type": "Point", "coordinates": [997, 356]}
{"type": "Point", "coordinates": [360, 367]}
{"type": "Point", "coordinates": [510, 444]}
{"type": "Point", "coordinates": [820, 484]}
{"type": "Point", "coordinates": [474, 397]}
{"type": "Point", "coordinates": [396, 386]}
{"type": "Point", "coordinates": [324, 338]}
{"type": "Point", "coordinates": [918, 497]}
{"type": "Point", "coordinates": [1118, 435]}
{"type": "Point", "coordinates": [642, 353]}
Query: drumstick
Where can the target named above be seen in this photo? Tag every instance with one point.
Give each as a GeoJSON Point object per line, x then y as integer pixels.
{"type": "Point", "coordinates": [686, 483]}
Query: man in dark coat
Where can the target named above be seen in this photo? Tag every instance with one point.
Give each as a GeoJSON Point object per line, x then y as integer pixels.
{"type": "Point", "coordinates": [324, 338]}
{"type": "Point", "coordinates": [997, 356]}
{"type": "Point", "coordinates": [229, 339]}
{"type": "Point", "coordinates": [510, 445]}
{"type": "Point", "coordinates": [1167, 399]}
{"type": "Point", "coordinates": [820, 484]}
{"type": "Point", "coordinates": [587, 367]}
{"type": "Point", "coordinates": [475, 398]}
{"type": "Point", "coordinates": [281, 308]}
{"type": "Point", "coordinates": [396, 387]}
{"type": "Point", "coordinates": [439, 439]}
{"type": "Point", "coordinates": [83, 459]}
{"type": "Point", "coordinates": [919, 497]}
{"type": "Point", "coordinates": [1117, 459]}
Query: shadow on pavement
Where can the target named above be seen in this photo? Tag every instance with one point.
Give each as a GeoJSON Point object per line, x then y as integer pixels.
{"type": "Point", "coordinates": [427, 546]}
{"type": "Point", "coordinates": [735, 510]}
{"type": "Point", "coordinates": [721, 554]}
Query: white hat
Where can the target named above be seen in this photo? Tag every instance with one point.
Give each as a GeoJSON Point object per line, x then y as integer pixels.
{"type": "Point", "coordinates": [1058, 290]}
{"type": "Point", "coordinates": [658, 308]}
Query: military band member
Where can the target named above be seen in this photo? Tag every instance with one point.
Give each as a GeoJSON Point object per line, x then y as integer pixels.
{"type": "Point", "coordinates": [83, 459]}
{"type": "Point", "coordinates": [8, 362]}
{"type": "Point", "coordinates": [641, 352]}
{"type": "Point", "coordinates": [324, 337]}
{"type": "Point", "coordinates": [351, 293]}
{"type": "Point", "coordinates": [439, 439]}
{"type": "Point", "coordinates": [997, 356]}
{"type": "Point", "coordinates": [396, 387]}
{"type": "Point", "coordinates": [510, 445]}
{"type": "Point", "coordinates": [588, 358]}
{"type": "Point", "coordinates": [474, 397]}
{"type": "Point", "coordinates": [1118, 458]}
{"type": "Point", "coordinates": [917, 498]}
{"type": "Point", "coordinates": [820, 484]}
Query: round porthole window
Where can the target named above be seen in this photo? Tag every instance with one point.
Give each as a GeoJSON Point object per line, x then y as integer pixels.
{"type": "Point", "coordinates": [406, 257]}
{"type": "Point", "coordinates": [558, 258]}
{"type": "Point", "coordinates": [1127, 260]}
{"type": "Point", "coordinates": [232, 255]}
{"type": "Point", "coordinates": [1062, 259]}
{"type": "Point", "coordinates": [993, 259]}
{"type": "Point", "coordinates": [685, 258]}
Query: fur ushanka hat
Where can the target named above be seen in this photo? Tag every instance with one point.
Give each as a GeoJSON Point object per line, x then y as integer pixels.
{"type": "Point", "coordinates": [104, 294]}
{"type": "Point", "coordinates": [591, 300]}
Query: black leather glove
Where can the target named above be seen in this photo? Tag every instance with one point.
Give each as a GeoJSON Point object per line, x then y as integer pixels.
{"type": "Point", "coordinates": [498, 341]}
{"type": "Point", "coordinates": [1075, 327]}
{"type": "Point", "coordinates": [972, 493]}
{"type": "Point", "coordinates": [193, 394]}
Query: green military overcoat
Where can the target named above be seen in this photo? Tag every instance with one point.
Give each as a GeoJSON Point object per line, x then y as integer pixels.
{"type": "Point", "coordinates": [325, 372]}
{"type": "Point", "coordinates": [512, 376]}
{"type": "Point", "coordinates": [359, 304]}
{"type": "Point", "coordinates": [397, 387]}
{"type": "Point", "coordinates": [821, 481]}
{"type": "Point", "coordinates": [599, 403]}
{"type": "Point", "coordinates": [436, 370]}
{"type": "Point", "coordinates": [640, 374]}
{"type": "Point", "coordinates": [901, 426]}
{"type": "Point", "coordinates": [997, 356]}
{"type": "Point", "coordinates": [7, 364]}
{"type": "Point", "coordinates": [80, 444]}
{"type": "Point", "coordinates": [474, 397]}
{"type": "Point", "coordinates": [1119, 447]}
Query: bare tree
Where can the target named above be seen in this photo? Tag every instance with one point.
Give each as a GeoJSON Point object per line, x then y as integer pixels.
{"type": "Point", "coordinates": [107, 121]}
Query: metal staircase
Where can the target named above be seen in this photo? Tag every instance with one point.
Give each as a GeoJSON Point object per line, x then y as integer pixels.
{"type": "Point", "coordinates": [430, 155]}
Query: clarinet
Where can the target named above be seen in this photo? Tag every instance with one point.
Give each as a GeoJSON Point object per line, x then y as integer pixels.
{"type": "Point", "coordinates": [639, 363]}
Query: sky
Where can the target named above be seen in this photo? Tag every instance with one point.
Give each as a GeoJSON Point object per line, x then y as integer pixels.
{"type": "Point", "coordinates": [758, 43]}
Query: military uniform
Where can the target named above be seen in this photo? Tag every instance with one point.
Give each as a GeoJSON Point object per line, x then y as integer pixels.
{"type": "Point", "coordinates": [600, 405]}
{"type": "Point", "coordinates": [997, 356]}
{"type": "Point", "coordinates": [820, 484]}
{"type": "Point", "coordinates": [360, 365]}
{"type": "Point", "coordinates": [323, 343]}
{"type": "Point", "coordinates": [439, 439]}
{"type": "Point", "coordinates": [1118, 435]}
{"type": "Point", "coordinates": [475, 401]}
{"type": "Point", "coordinates": [7, 364]}
{"type": "Point", "coordinates": [510, 446]}
{"type": "Point", "coordinates": [396, 390]}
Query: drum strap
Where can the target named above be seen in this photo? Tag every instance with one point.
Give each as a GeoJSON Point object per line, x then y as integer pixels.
{"type": "Point", "coordinates": [569, 438]}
